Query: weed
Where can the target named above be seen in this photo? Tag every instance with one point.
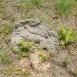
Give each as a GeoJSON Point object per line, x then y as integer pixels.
{"type": "Point", "coordinates": [24, 48]}
{"type": "Point", "coordinates": [40, 53]}
{"type": "Point", "coordinates": [65, 62]}
{"type": "Point", "coordinates": [27, 16]}
{"type": "Point", "coordinates": [44, 58]}
{"type": "Point", "coordinates": [67, 36]}
{"type": "Point", "coordinates": [23, 54]}
{"type": "Point", "coordinates": [25, 45]}
{"type": "Point", "coordinates": [2, 8]}
{"type": "Point", "coordinates": [63, 6]}
{"type": "Point", "coordinates": [8, 71]}
{"type": "Point", "coordinates": [26, 72]}
{"type": "Point", "coordinates": [7, 28]}
{"type": "Point", "coordinates": [5, 58]}
{"type": "Point", "coordinates": [36, 2]}
{"type": "Point", "coordinates": [24, 6]}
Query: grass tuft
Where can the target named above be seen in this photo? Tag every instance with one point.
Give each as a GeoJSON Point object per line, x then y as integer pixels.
{"type": "Point", "coordinates": [63, 6]}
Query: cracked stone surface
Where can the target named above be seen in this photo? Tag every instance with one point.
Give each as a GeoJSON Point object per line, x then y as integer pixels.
{"type": "Point", "coordinates": [36, 31]}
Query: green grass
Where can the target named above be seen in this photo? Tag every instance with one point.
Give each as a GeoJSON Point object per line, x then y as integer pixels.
{"type": "Point", "coordinates": [24, 48]}
{"type": "Point", "coordinates": [44, 58]}
{"type": "Point", "coordinates": [63, 6]}
{"type": "Point", "coordinates": [8, 71]}
{"type": "Point", "coordinates": [26, 72]}
{"type": "Point", "coordinates": [5, 58]}
{"type": "Point", "coordinates": [36, 2]}
{"type": "Point", "coordinates": [7, 28]}
{"type": "Point", "coordinates": [2, 8]}
{"type": "Point", "coordinates": [65, 62]}
{"type": "Point", "coordinates": [67, 36]}
{"type": "Point", "coordinates": [27, 16]}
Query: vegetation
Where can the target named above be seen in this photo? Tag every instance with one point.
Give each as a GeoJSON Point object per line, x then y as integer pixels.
{"type": "Point", "coordinates": [42, 56]}
{"type": "Point", "coordinates": [7, 28]}
{"type": "Point", "coordinates": [65, 62]}
{"type": "Point", "coordinates": [24, 48]}
{"type": "Point", "coordinates": [8, 71]}
{"type": "Point", "coordinates": [5, 59]}
{"type": "Point", "coordinates": [67, 36]}
{"type": "Point", "coordinates": [63, 6]}
{"type": "Point", "coordinates": [26, 72]}
{"type": "Point", "coordinates": [36, 2]}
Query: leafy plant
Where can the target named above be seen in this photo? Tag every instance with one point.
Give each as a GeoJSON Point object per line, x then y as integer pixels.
{"type": "Point", "coordinates": [40, 53]}
{"type": "Point", "coordinates": [8, 71]}
{"type": "Point", "coordinates": [26, 72]}
{"type": "Point", "coordinates": [25, 45]}
{"type": "Point", "coordinates": [24, 48]}
{"type": "Point", "coordinates": [44, 58]}
{"type": "Point", "coordinates": [63, 6]}
{"type": "Point", "coordinates": [67, 36]}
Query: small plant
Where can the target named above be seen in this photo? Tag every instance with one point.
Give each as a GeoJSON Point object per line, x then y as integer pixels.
{"type": "Point", "coordinates": [65, 62]}
{"type": "Point", "coordinates": [7, 28]}
{"type": "Point", "coordinates": [36, 2]}
{"type": "Point", "coordinates": [40, 53]}
{"type": "Point", "coordinates": [44, 58]}
{"type": "Point", "coordinates": [8, 72]}
{"type": "Point", "coordinates": [5, 58]}
{"type": "Point", "coordinates": [24, 6]}
{"type": "Point", "coordinates": [25, 45]}
{"type": "Point", "coordinates": [26, 72]}
{"type": "Point", "coordinates": [63, 6]}
{"type": "Point", "coordinates": [24, 48]}
{"type": "Point", "coordinates": [2, 8]}
{"type": "Point", "coordinates": [67, 36]}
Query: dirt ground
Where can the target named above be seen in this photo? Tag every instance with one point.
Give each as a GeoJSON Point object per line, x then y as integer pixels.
{"type": "Point", "coordinates": [13, 13]}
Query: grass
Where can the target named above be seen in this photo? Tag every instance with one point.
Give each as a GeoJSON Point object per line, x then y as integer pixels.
{"type": "Point", "coordinates": [7, 28]}
{"type": "Point", "coordinates": [36, 2]}
{"type": "Point", "coordinates": [63, 6]}
{"type": "Point", "coordinates": [2, 8]}
{"type": "Point", "coordinates": [65, 62]}
{"type": "Point", "coordinates": [8, 71]}
{"type": "Point", "coordinates": [5, 59]}
{"type": "Point", "coordinates": [67, 36]}
{"type": "Point", "coordinates": [42, 56]}
{"type": "Point", "coordinates": [24, 48]}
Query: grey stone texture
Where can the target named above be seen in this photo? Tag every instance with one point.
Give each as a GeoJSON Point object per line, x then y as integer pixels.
{"type": "Point", "coordinates": [38, 32]}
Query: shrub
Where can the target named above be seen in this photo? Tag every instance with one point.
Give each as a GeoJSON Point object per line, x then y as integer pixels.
{"type": "Point", "coordinates": [67, 36]}
{"type": "Point", "coordinates": [63, 6]}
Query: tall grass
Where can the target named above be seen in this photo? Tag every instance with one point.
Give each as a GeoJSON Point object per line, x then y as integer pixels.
{"type": "Point", "coordinates": [63, 6]}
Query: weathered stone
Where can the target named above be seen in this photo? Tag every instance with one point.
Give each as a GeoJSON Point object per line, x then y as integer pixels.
{"type": "Point", "coordinates": [36, 31]}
